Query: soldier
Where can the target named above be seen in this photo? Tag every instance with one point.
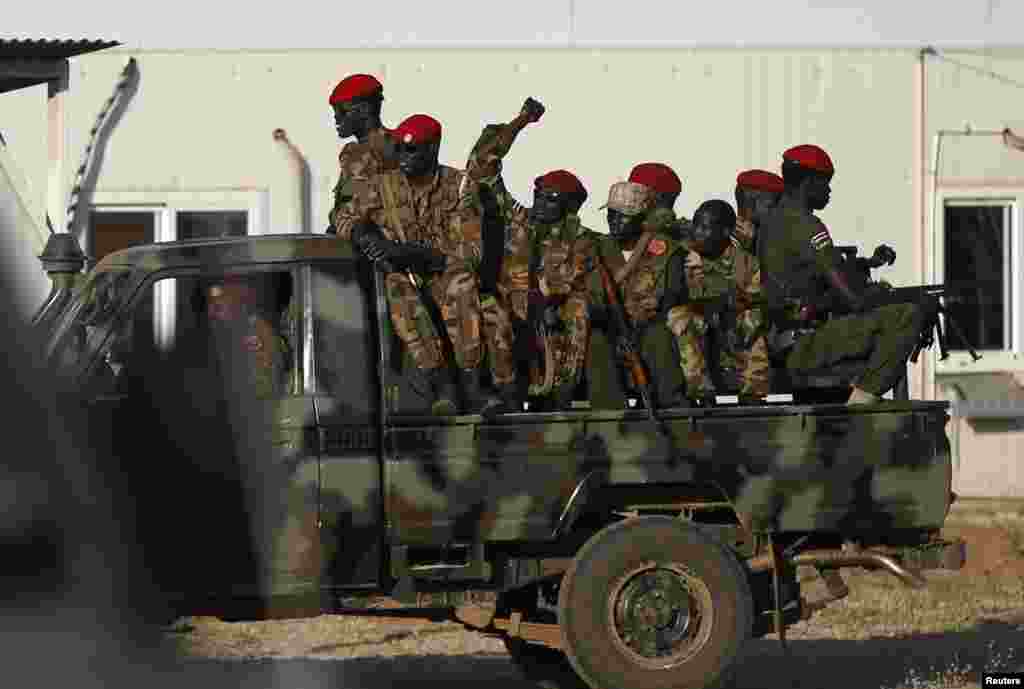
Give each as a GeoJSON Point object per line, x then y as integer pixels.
{"type": "Point", "coordinates": [420, 203]}
{"type": "Point", "coordinates": [802, 280]}
{"type": "Point", "coordinates": [757, 193]}
{"type": "Point", "coordinates": [646, 266]}
{"type": "Point", "coordinates": [666, 186]}
{"type": "Point", "coordinates": [723, 284]}
{"type": "Point", "coordinates": [242, 329]}
{"type": "Point", "coordinates": [356, 101]}
{"type": "Point", "coordinates": [543, 279]}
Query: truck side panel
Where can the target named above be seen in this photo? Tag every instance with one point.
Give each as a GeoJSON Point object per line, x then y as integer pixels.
{"type": "Point", "coordinates": [793, 468]}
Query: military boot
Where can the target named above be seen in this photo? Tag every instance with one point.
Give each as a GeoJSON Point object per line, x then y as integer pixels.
{"type": "Point", "coordinates": [445, 393]}
{"type": "Point", "coordinates": [479, 400]}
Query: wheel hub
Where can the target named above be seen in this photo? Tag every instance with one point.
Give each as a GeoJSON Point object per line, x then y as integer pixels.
{"type": "Point", "coordinates": [660, 614]}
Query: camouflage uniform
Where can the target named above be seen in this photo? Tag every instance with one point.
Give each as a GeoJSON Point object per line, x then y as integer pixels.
{"type": "Point", "coordinates": [796, 250]}
{"type": "Point", "coordinates": [266, 353]}
{"type": "Point", "coordinates": [741, 338]}
{"type": "Point", "coordinates": [750, 365]}
{"type": "Point", "coordinates": [248, 345]}
{"type": "Point", "coordinates": [440, 215]}
{"type": "Point", "coordinates": [650, 283]}
{"type": "Point", "coordinates": [358, 162]}
{"type": "Point", "coordinates": [562, 255]}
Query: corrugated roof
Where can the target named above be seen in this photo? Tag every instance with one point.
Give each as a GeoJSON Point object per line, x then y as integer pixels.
{"type": "Point", "coordinates": [43, 48]}
{"type": "Point", "coordinates": [28, 62]}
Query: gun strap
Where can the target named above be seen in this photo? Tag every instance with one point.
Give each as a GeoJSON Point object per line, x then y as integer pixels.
{"type": "Point", "coordinates": [389, 180]}
{"type": "Point", "coordinates": [634, 258]}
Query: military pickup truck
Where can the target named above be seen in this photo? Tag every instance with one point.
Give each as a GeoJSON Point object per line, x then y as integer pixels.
{"type": "Point", "coordinates": [599, 544]}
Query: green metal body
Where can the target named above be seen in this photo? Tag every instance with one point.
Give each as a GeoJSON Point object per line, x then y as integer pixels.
{"type": "Point", "coordinates": [366, 494]}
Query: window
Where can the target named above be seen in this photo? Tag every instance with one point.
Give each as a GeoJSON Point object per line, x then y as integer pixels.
{"type": "Point", "coordinates": [113, 230]}
{"type": "Point", "coordinates": [344, 338]}
{"type": "Point", "coordinates": [981, 243]}
{"type": "Point", "coordinates": [205, 224]}
{"type": "Point", "coordinates": [219, 330]}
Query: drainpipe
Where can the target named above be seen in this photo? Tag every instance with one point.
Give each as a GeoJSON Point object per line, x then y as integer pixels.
{"type": "Point", "coordinates": [298, 199]}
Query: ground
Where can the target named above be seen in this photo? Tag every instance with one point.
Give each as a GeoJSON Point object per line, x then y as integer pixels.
{"type": "Point", "coordinates": [882, 635]}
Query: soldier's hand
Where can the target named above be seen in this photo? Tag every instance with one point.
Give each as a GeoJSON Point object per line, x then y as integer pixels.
{"type": "Point", "coordinates": [533, 110]}
{"type": "Point", "coordinates": [884, 255]}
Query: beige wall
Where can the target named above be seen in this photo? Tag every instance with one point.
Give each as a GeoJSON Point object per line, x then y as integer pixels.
{"type": "Point", "coordinates": [204, 120]}
{"type": "Point", "coordinates": [985, 92]}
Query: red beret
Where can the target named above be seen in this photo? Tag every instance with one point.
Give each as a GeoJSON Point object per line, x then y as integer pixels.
{"type": "Point", "coordinates": [563, 181]}
{"type": "Point", "coordinates": [810, 156]}
{"type": "Point", "coordinates": [355, 86]}
{"type": "Point", "coordinates": [761, 180]}
{"type": "Point", "coordinates": [417, 129]}
{"type": "Point", "coordinates": [658, 176]}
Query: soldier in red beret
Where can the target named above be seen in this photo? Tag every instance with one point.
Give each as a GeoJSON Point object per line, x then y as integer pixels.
{"type": "Point", "coordinates": [801, 271]}
{"type": "Point", "coordinates": [356, 102]}
{"type": "Point", "coordinates": [667, 186]}
{"type": "Point", "coordinates": [757, 193]}
{"type": "Point", "coordinates": [422, 203]}
{"type": "Point", "coordinates": [543, 279]}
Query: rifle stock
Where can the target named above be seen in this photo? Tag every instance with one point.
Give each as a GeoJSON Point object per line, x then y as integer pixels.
{"type": "Point", "coordinates": [621, 333]}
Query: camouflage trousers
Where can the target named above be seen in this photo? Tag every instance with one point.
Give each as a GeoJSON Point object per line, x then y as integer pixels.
{"type": "Point", "coordinates": [743, 347]}
{"type": "Point", "coordinates": [470, 323]}
{"type": "Point", "coordinates": [567, 350]}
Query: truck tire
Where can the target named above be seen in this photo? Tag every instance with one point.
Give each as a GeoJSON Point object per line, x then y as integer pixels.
{"type": "Point", "coordinates": [651, 603]}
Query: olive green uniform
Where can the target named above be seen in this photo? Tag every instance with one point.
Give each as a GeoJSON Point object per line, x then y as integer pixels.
{"type": "Point", "coordinates": [650, 282]}
{"type": "Point", "coordinates": [796, 252]}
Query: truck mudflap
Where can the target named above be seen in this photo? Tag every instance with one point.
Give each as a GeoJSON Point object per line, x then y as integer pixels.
{"type": "Point", "coordinates": [903, 563]}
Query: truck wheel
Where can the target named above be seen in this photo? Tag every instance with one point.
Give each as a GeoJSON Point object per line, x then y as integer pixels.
{"type": "Point", "coordinates": [650, 603]}
{"type": "Point", "coordinates": [548, 667]}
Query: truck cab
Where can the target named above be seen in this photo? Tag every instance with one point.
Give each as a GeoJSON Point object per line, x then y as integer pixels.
{"type": "Point", "coordinates": [601, 543]}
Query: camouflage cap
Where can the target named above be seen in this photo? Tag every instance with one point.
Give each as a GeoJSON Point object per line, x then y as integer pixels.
{"type": "Point", "coordinates": [630, 198]}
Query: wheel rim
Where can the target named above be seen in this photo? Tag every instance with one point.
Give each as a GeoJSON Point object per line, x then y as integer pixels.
{"type": "Point", "coordinates": [660, 615]}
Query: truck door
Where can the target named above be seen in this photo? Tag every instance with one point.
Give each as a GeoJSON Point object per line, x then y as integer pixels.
{"type": "Point", "coordinates": [344, 379]}
{"type": "Point", "coordinates": [222, 479]}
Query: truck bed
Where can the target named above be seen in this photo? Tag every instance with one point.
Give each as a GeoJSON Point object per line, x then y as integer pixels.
{"type": "Point", "coordinates": [868, 470]}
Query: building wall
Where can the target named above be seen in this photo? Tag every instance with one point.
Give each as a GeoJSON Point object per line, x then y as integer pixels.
{"type": "Point", "coordinates": [984, 92]}
{"type": "Point", "coordinates": [203, 120]}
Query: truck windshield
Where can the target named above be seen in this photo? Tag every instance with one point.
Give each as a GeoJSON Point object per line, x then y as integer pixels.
{"type": "Point", "coordinates": [89, 317]}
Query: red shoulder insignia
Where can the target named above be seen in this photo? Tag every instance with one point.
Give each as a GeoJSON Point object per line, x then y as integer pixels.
{"type": "Point", "coordinates": [656, 247]}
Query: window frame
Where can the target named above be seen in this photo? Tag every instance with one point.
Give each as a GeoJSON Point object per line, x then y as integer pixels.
{"type": "Point", "coordinates": [1011, 357]}
{"type": "Point", "coordinates": [165, 205]}
{"type": "Point", "coordinates": [296, 269]}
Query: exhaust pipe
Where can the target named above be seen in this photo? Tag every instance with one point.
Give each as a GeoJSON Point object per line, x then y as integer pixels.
{"type": "Point", "coordinates": [842, 558]}
{"type": "Point", "coordinates": [299, 198]}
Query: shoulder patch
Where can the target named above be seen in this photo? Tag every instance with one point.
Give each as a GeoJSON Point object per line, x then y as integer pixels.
{"type": "Point", "coordinates": [656, 247]}
{"type": "Point", "coordinates": [821, 239]}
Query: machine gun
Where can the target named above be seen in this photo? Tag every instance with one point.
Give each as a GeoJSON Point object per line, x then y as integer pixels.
{"type": "Point", "coordinates": [929, 298]}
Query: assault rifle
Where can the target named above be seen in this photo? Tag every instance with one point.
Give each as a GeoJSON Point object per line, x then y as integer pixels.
{"type": "Point", "coordinates": [625, 341]}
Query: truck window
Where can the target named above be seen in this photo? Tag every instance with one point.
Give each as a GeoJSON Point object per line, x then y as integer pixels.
{"type": "Point", "coordinates": [200, 328]}
{"type": "Point", "coordinates": [344, 342]}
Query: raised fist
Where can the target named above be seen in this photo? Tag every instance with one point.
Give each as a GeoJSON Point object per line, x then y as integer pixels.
{"type": "Point", "coordinates": [884, 255]}
{"type": "Point", "coordinates": [533, 110]}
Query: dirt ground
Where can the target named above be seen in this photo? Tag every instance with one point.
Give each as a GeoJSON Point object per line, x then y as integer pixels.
{"type": "Point", "coordinates": [882, 635]}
